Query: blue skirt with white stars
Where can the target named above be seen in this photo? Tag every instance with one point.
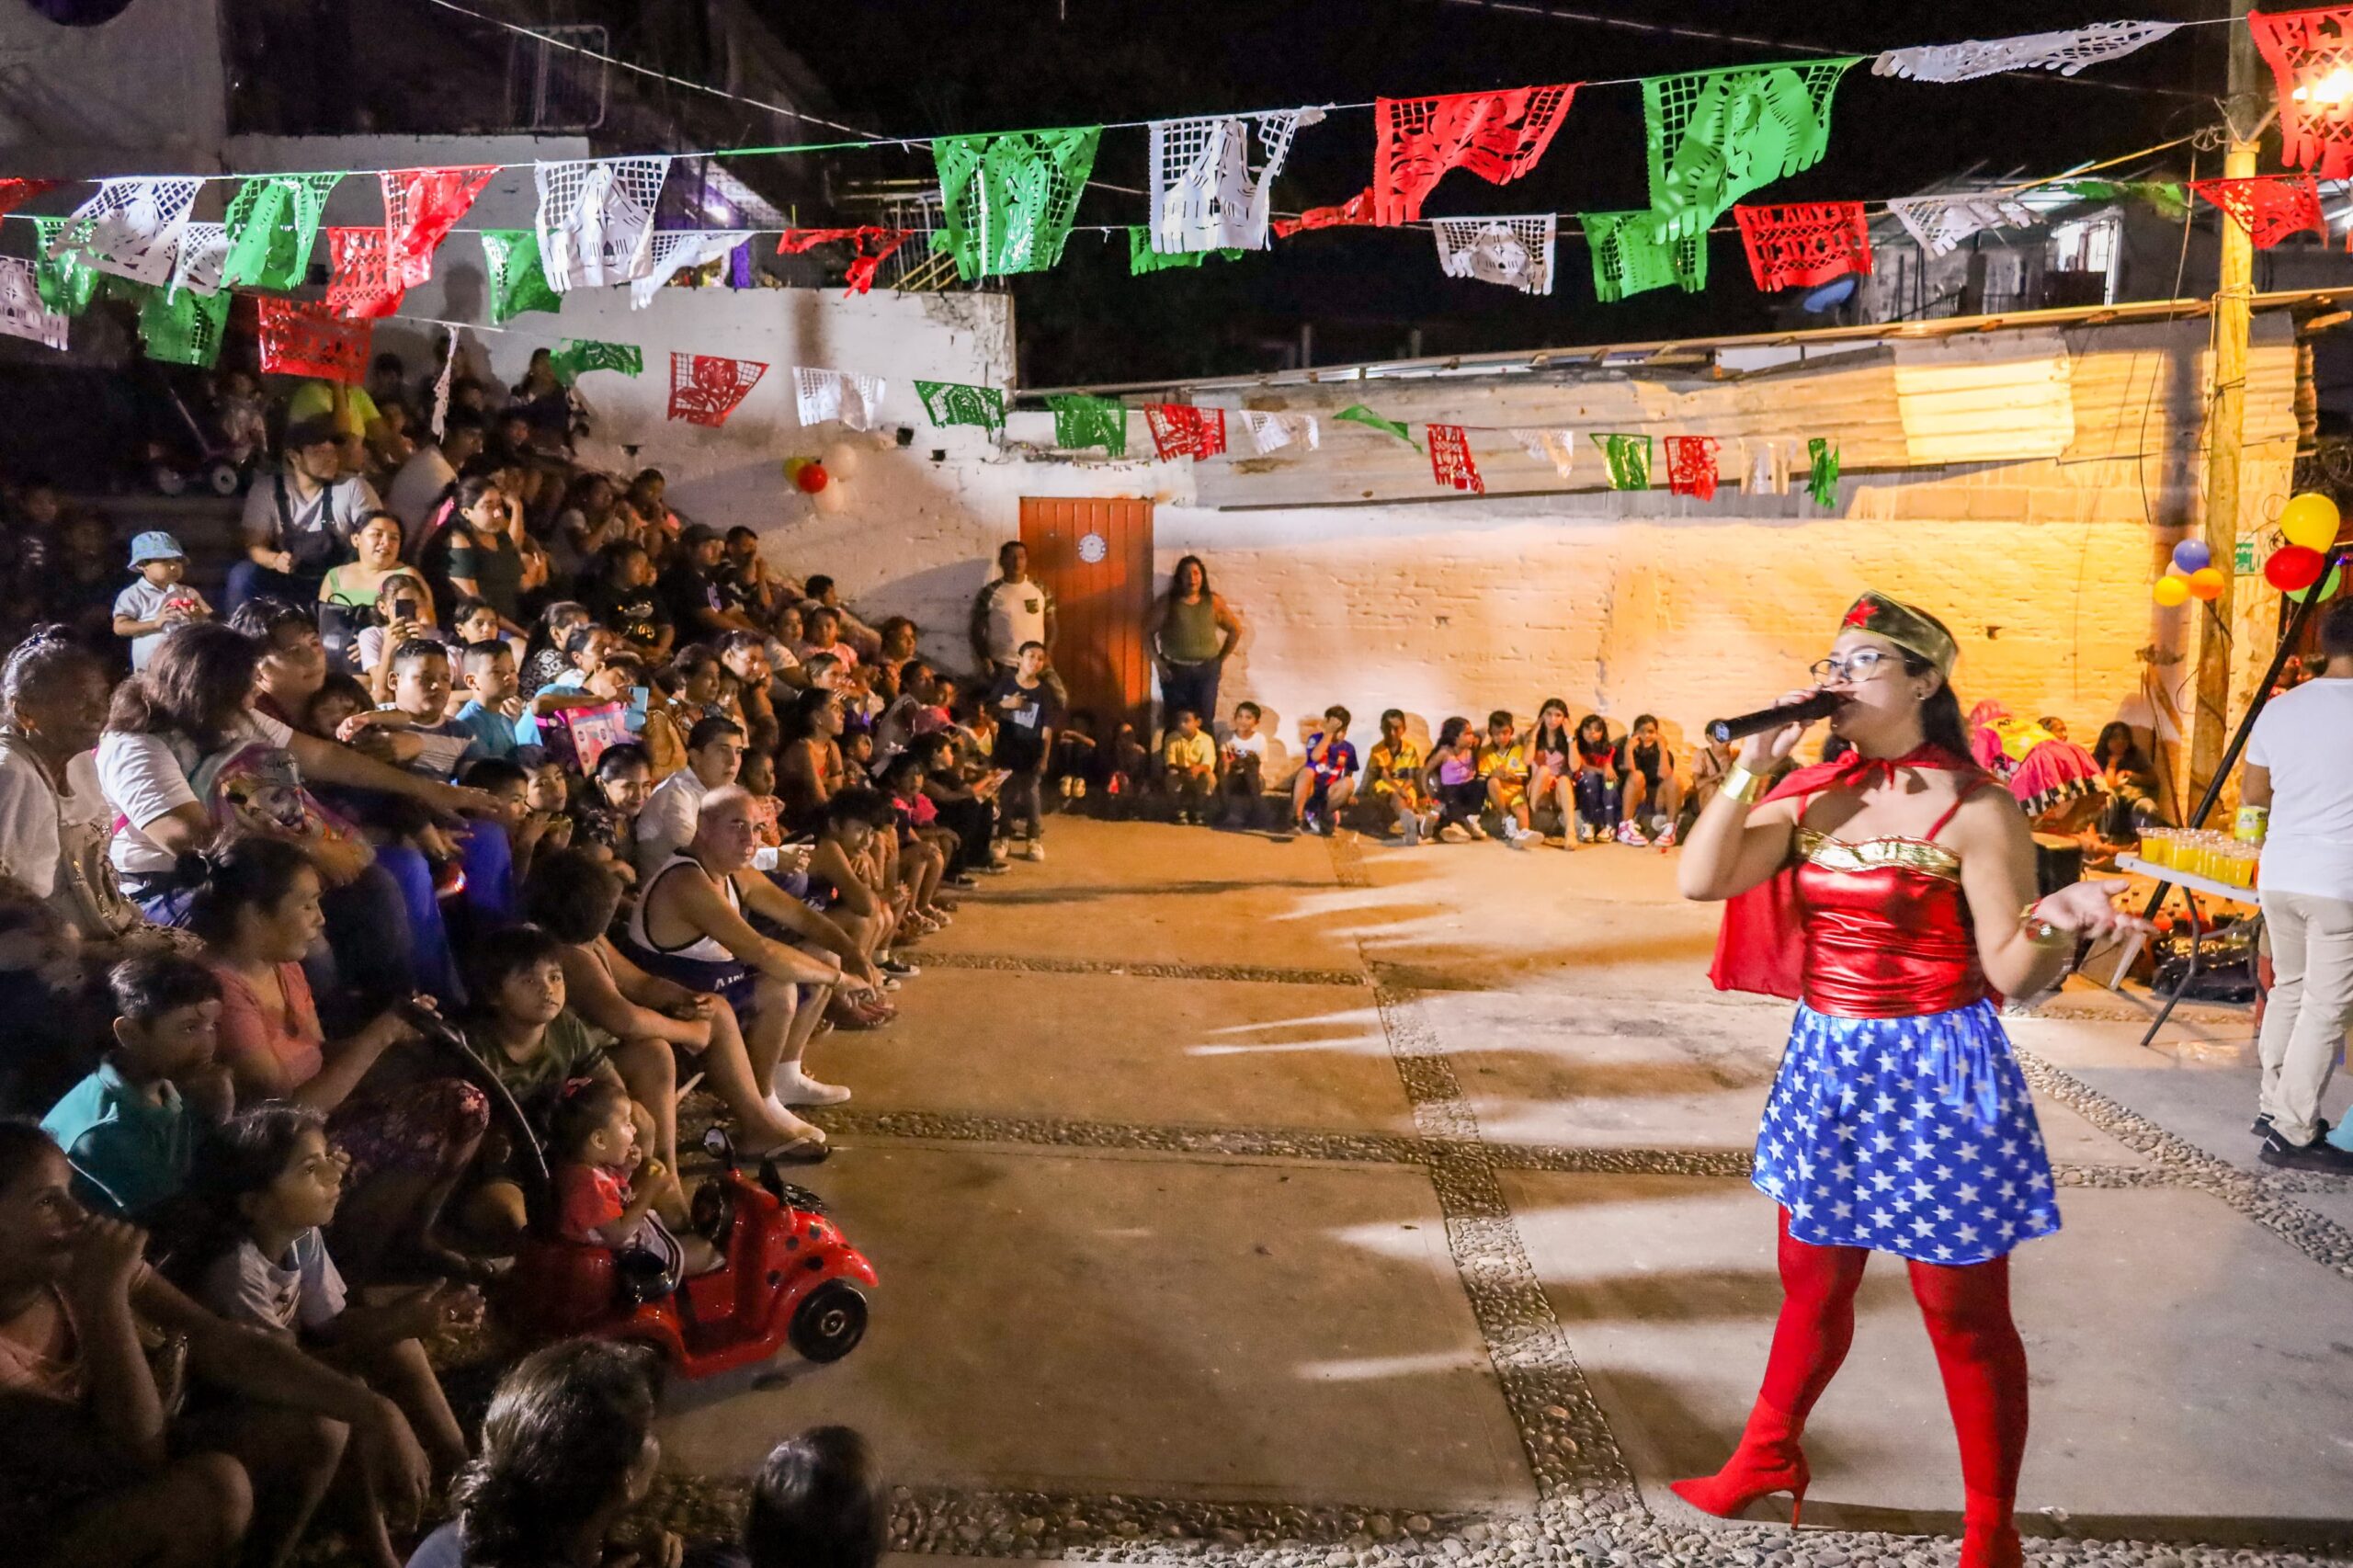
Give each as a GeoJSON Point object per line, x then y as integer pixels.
{"type": "Point", "coordinates": [1915, 1136]}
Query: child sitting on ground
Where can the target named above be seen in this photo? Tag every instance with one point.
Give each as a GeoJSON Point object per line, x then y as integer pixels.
{"type": "Point", "coordinates": [1189, 758]}
{"type": "Point", "coordinates": [1503, 762]}
{"type": "Point", "coordinates": [1393, 774]}
{"type": "Point", "coordinates": [130, 1130]}
{"type": "Point", "coordinates": [1328, 778]}
{"type": "Point", "coordinates": [1550, 786]}
{"type": "Point", "coordinates": [528, 832]}
{"type": "Point", "coordinates": [535, 1044]}
{"type": "Point", "coordinates": [1244, 758]}
{"type": "Point", "coordinates": [273, 1182]}
{"type": "Point", "coordinates": [1453, 775]}
{"type": "Point", "coordinates": [1074, 755]}
{"type": "Point", "coordinates": [818, 1502]}
{"type": "Point", "coordinates": [1652, 791]}
{"type": "Point", "coordinates": [606, 1184]}
{"type": "Point", "coordinates": [494, 700]}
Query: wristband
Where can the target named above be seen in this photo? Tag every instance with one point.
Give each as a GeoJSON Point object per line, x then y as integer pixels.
{"type": "Point", "coordinates": [1744, 786]}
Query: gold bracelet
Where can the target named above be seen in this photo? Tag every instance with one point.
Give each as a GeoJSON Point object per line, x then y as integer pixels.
{"type": "Point", "coordinates": [2040, 932]}
{"type": "Point", "coordinates": [1744, 786]}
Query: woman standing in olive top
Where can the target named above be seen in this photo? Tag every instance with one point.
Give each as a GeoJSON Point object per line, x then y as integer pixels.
{"type": "Point", "coordinates": [1192, 630]}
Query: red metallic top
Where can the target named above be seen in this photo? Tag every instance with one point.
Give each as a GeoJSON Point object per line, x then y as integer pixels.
{"type": "Point", "coordinates": [1887, 929]}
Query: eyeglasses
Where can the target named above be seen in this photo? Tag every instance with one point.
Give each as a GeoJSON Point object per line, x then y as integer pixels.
{"type": "Point", "coordinates": [1859, 665]}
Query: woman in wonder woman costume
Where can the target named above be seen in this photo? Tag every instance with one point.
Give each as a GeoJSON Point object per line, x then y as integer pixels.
{"type": "Point", "coordinates": [1899, 1122]}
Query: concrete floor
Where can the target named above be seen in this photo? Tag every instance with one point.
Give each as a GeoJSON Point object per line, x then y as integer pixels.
{"type": "Point", "coordinates": [1173, 1168]}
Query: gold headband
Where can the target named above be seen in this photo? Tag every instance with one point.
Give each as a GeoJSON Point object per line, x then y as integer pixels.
{"type": "Point", "coordinates": [1914, 630]}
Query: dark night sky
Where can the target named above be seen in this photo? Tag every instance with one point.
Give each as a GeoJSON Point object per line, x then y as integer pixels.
{"type": "Point", "coordinates": [923, 67]}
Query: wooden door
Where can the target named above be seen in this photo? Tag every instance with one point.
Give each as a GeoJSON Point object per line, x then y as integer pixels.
{"type": "Point", "coordinates": [1100, 604]}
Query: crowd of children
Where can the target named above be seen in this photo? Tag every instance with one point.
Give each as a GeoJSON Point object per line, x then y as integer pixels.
{"type": "Point", "coordinates": [1545, 785]}
{"type": "Point", "coordinates": [542, 767]}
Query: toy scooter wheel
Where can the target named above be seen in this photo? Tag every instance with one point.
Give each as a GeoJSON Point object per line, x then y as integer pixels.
{"type": "Point", "coordinates": [828, 1325]}
{"type": "Point", "coordinates": [224, 479]}
{"type": "Point", "coordinates": [167, 480]}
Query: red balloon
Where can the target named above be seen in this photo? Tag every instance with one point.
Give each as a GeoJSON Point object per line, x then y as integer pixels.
{"type": "Point", "coordinates": [813, 478]}
{"type": "Point", "coordinates": [2293, 567]}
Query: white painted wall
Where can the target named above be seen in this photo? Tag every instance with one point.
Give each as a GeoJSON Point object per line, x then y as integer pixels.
{"type": "Point", "coordinates": [1627, 604]}
{"type": "Point", "coordinates": [145, 93]}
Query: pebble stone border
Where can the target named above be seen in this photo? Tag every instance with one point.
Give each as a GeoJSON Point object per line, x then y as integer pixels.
{"type": "Point", "coordinates": [1590, 1512]}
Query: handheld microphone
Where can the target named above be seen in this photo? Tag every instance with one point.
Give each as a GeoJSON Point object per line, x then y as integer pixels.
{"type": "Point", "coordinates": [1804, 710]}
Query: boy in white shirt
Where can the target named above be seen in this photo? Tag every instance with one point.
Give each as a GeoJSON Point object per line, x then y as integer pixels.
{"type": "Point", "coordinates": [1244, 758]}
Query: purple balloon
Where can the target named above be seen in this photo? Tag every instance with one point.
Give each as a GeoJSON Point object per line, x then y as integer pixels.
{"type": "Point", "coordinates": [2191, 555]}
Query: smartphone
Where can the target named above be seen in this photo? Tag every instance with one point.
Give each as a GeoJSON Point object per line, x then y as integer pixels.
{"type": "Point", "coordinates": [639, 696]}
{"type": "Point", "coordinates": [765, 860]}
{"type": "Point", "coordinates": [403, 610]}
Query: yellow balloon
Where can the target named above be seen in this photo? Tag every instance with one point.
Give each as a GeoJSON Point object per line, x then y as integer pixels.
{"type": "Point", "coordinates": [2311, 520]}
{"type": "Point", "coordinates": [2171, 591]}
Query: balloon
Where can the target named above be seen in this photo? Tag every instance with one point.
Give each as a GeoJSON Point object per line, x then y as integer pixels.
{"type": "Point", "coordinates": [2292, 567]}
{"type": "Point", "coordinates": [842, 459]}
{"type": "Point", "coordinates": [2191, 555]}
{"type": "Point", "coordinates": [2171, 591]}
{"type": "Point", "coordinates": [2327, 589]}
{"type": "Point", "coordinates": [812, 478]}
{"type": "Point", "coordinates": [793, 467]}
{"type": "Point", "coordinates": [2310, 520]}
{"type": "Point", "coordinates": [831, 500]}
{"type": "Point", "coordinates": [2206, 582]}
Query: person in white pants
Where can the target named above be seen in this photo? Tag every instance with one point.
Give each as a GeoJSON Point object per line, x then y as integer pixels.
{"type": "Point", "coordinates": [2300, 764]}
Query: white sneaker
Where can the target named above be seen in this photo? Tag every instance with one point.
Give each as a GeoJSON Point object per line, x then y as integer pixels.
{"type": "Point", "coordinates": [1033, 850]}
{"type": "Point", "coordinates": [1516, 835]}
{"type": "Point", "coordinates": [791, 1086]}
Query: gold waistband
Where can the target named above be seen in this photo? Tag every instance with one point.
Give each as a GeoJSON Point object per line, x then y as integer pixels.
{"type": "Point", "coordinates": [1874, 853]}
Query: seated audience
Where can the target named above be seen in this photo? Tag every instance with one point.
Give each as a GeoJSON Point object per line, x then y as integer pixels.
{"type": "Point", "coordinates": [98, 1470]}
{"type": "Point", "coordinates": [271, 1183]}
{"type": "Point", "coordinates": [1651, 793]}
{"type": "Point", "coordinates": [692, 925]}
{"type": "Point", "coordinates": [606, 1183]}
{"type": "Point", "coordinates": [1328, 778]}
{"type": "Point", "coordinates": [714, 753]}
{"type": "Point", "coordinates": [1392, 777]}
{"type": "Point", "coordinates": [130, 1129]}
{"type": "Point", "coordinates": [410, 1129]}
{"type": "Point", "coordinates": [1551, 777]}
{"type": "Point", "coordinates": [568, 1448]}
{"type": "Point", "coordinates": [1503, 762]}
{"type": "Point", "coordinates": [1243, 760]}
{"type": "Point", "coordinates": [1189, 765]}
{"type": "Point", "coordinates": [1452, 774]}
{"type": "Point", "coordinates": [157, 600]}
{"type": "Point", "coordinates": [1596, 780]}
{"type": "Point", "coordinates": [576, 900]}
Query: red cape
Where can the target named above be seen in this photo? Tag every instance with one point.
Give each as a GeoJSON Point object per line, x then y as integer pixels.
{"type": "Point", "coordinates": [1756, 946]}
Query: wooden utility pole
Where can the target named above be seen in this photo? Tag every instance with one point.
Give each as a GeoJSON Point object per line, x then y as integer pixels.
{"type": "Point", "coordinates": [2226, 419]}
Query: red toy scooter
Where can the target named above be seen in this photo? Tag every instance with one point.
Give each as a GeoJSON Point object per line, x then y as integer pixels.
{"type": "Point", "coordinates": [788, 1276]}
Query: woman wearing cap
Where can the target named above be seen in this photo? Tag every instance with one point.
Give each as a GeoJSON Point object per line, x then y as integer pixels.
{"type": "Point", "coordinates": [1899, 1122]}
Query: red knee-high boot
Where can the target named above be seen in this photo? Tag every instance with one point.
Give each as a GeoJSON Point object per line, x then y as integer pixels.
{"type": "Point", "coordinates": [1816, 1325]}
{"type": "Point", "coordinates": [1983, 1362]}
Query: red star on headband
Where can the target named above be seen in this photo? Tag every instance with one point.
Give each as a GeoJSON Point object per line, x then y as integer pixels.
{"type": "Point", "coordinates": [1862, 614]}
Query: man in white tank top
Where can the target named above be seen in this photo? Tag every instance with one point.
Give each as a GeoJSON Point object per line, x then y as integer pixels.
{"type": "Point", "coordinates": [689, 926]}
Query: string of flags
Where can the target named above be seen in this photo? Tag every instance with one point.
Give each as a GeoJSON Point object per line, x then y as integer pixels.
{"type": "Point", "coordinates": [1010, 199]}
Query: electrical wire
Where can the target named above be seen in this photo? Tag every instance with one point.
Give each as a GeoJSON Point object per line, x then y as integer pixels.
{"type": "Point", "coordinates": [1672, 29]}
{"type": "Point", "coordinates": [869, 139]}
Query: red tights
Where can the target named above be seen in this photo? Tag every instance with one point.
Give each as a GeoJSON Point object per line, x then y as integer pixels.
{"type": "Point", "coordinates": [1968, 1313]}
